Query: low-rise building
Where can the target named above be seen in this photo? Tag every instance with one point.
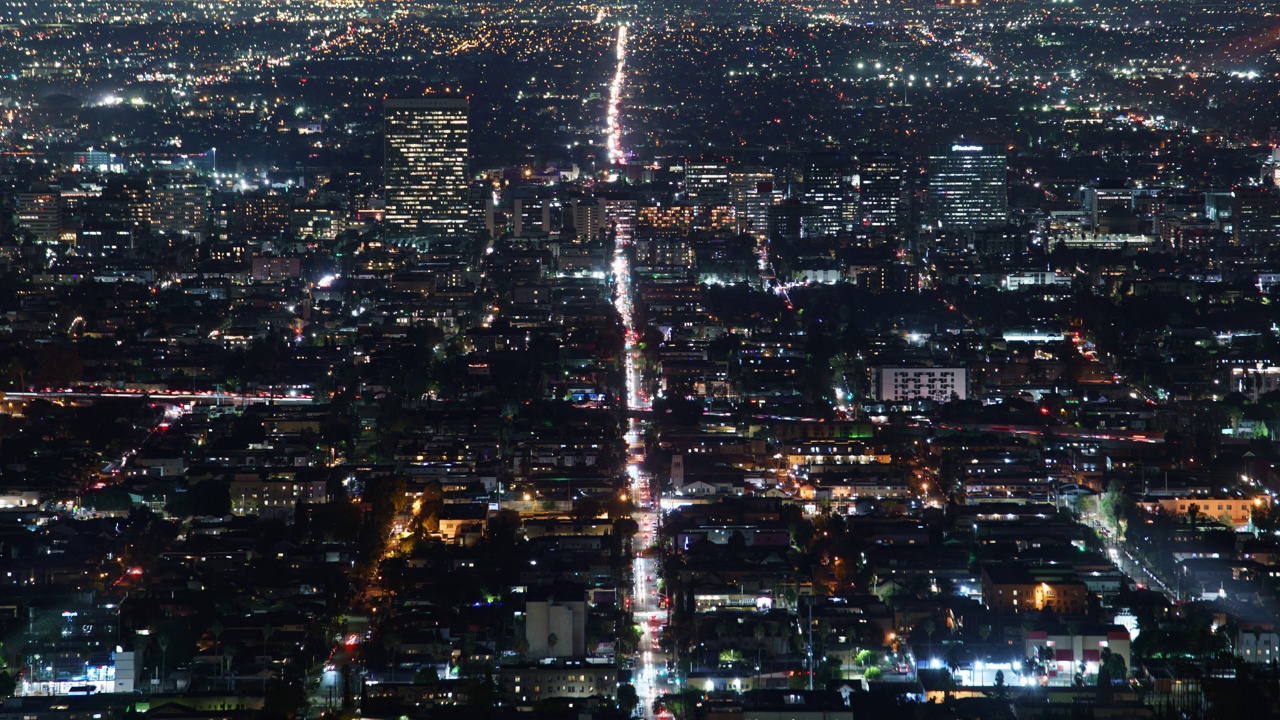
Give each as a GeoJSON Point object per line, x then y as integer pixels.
{"type": "Point", "coordinates": [525, 685]}
{"type": "Point", "coordinates": [901, 384]}
{"type": "Point", "coordinates": [1010, 588]}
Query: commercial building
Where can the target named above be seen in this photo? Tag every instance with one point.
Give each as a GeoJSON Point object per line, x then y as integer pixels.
{"type": "Point", "coordinates": [426, 166]}
{"type": "Point", "coordinates": [751, 194]}
{"type": "Point", "coordinates": [824, 191]}
{"type": "Point", "coordinates": [901, 384]}
{"type": "Point", "coordinates": [179, 206]}
{"type": "Point", "coordinates": [40, 213]}
{"type": "Point", "coordinates": [880, 193]}
{"type": "Point", "coordinates": [1100, 198]}
{"type": "Point", "coordinates": [967, 186]}
{"type": "Point", "coordinates": [706, 183]}
{"type": "Point", "coordinates": [1256, 216]}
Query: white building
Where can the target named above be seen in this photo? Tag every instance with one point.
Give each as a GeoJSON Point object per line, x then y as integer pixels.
{"type": "Point", "coordinates": [1019, 280]}
{"type": "Point", "coordinates": [900, 384]}
{"type": "Point", "coordinates": [1258, 645]}
{"type": "Point", "coordinates": [19, 500]}
{"type": "Point", "coordinates": [565, 622]}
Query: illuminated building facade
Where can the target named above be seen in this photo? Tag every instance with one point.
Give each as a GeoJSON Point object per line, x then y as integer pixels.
{"type": "Point", "coordinates": [880, 193]}
{"type": "Point", "coordinates": [426, 166]}
{"type": "Point", "coordinates": [967, 186]}
{"type": "Point", "coordinates": [824, 191]}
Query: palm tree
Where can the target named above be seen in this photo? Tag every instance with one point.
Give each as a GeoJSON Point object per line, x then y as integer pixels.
{"type": "Point", "coordinates": [930, 627]}
{"type": "Point", "coordinates": [391, 643]}
{"type": "Point", "coordinates": [217, 637]}
{"type": "Point", "coordinates": [163, 642]}
{"type": "Point", "coordinates": [1047, 657]}
{"type": "Point", "coordinates": [1073, 629]}
{"type": "Point", "coordinates": [552, 641]}
{"type": "Point", "coordinates": [267, 632]}
{"type": "Point", "coordinates": [229, 654]}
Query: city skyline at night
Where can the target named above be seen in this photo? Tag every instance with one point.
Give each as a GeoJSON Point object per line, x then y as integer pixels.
{"type": "Point", "coordinates": [697, 361]}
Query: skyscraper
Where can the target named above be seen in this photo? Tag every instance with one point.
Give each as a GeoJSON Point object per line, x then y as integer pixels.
{"type": "Point", "coordinates": [967, 186]}
{"type": "Point", "coordinates": [880, 193]}
{"type": "Point", "coordinates": [426, 166]}
{"type": "Point", "coordinates": [179, 205]}
{"type": "Point", "coordinates": [824, 190]}
{"type": "Point", "coordinates": [706, 182]}
{"type": "Point", "coordinates": [751, 193]}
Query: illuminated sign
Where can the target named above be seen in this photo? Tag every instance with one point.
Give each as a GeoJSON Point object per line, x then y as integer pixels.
{"type": "Point", "coordinates": [966, 148]}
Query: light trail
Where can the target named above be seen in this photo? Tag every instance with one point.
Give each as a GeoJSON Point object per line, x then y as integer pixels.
{"type": "Point", "coordinates": [613, 129]}
{"type": "Point", "coordinates": [650, 675]}
{"type": "Point", "coordinates": [162, 395]}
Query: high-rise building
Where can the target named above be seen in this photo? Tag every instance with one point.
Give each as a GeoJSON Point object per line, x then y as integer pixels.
{"type": "Point", "coordinates": [39, 212]}
{"type": "Point", "coordinates": [262, 216]}
{"type": "Point", "coordinates": [751, 193]}
{"type": "Point", "coordinates": [426, 166]}
{"type": "Point", "coordinates": [620, 218]}
{"type": "Point", "coordinates": [588, 218]}
{"type": "Point", "coordinates": [706, 182]}
{"type": "Point", "coordinates": [1101, 197]}
{"type": "Point", "coordinates": [133, 193]}
{"type": "Point", "coordinates": [179, 205]}
{"type": "Point", "coordinates": [824, 191]}
{"type": "Point", "coordinates": [880, 193]}
{"type": "Point", "coordinates": [967, 186]}
{"type": "Point", "coordinates": [1255, 215]}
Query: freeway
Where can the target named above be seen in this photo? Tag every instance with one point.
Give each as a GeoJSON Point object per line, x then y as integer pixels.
{"type": "Point", "coordinates": [218, 398]}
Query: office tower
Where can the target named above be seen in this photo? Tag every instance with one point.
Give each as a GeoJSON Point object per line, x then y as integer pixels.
{"type": "Point", "coordinates": [104, 239]}
{"type": "Point", "coordinates": [1256, 216]}
{"type": "Point", "coordinates": [530, 215]}
{"type": "Point", "coordinates": [179, 205]}
{"type": "Point", "coordinates": [751, 193]}
{"type": "Point", "coordinates": [880, 193]}
{"type": "Point", "coordinates": [706, 183]}
{"type": "Point", "coordinates": [479, 194]}
{"type": "Point", "coordinates": [39, 213]}
{"type": "Point", "coordinates": [824, 191]}
{"type": "Point", "coordinates": [1217, 209]}
{"type": "Point", "coordinates": [967, 186]}
{"type": "Point", "coordinates": [1101, 197]}
{"type": "Point", "coordinates": [791, 221]}
{"type": "Point", "coordinates": [1271, 168]}
{"type": "Point", "coordinates": [620, 218]}
{"type": "Point", "coordinates": [426, 166]}
{"type": "Point", "coordinates": [133, 195]}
